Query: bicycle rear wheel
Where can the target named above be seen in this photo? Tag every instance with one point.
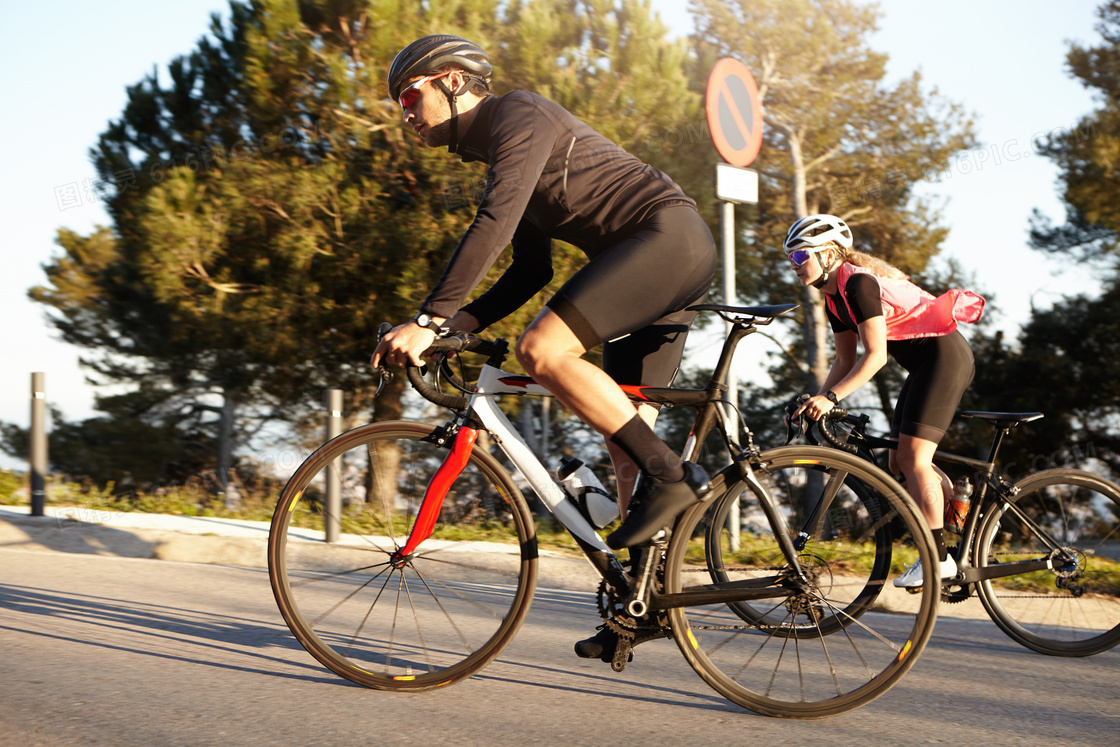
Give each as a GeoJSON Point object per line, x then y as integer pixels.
{"type": "Point", "coordinates": [415, 623]}
{"type": "Point", "coordinates": [837, 535]}
{"type": "Point", "coordinates": [825, 644]}
{"type": "Point", "coordinates": [1072, 608]}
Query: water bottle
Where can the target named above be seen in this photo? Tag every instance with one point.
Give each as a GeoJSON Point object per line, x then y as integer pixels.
{"type": "Point", "coordinates": [596, 504]}
{"type": "Point", "coordinates": [956, 510]}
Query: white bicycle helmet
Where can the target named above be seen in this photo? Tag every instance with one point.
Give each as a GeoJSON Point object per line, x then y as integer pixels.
{"type": "Point", "coordinates": [815, 230]}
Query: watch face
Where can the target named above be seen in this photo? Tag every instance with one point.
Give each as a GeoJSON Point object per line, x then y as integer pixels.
{"type": "Point", "coordinates": [423, 320]}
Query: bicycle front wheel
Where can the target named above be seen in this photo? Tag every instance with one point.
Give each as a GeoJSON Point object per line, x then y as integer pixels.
{"type": "Point", "coordinates": [1073, 607]}
{"type": "Point", "coordinates": [414, 623]}
{"type": "Point", "coordinates": [827, 640]}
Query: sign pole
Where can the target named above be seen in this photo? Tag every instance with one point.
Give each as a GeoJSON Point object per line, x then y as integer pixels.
{"type": "Point", "coordinates": [734, 112]}
{"type": "Point", "coordinates": [727, 236]}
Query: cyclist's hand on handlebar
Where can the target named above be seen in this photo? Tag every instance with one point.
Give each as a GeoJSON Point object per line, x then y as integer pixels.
{"type": "Point", "coordinates": [815, 407]}
{"type": "Point", "coordinates": [403, 345]}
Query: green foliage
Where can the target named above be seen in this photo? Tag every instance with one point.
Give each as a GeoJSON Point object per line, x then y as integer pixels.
{"type": "Point", "coordinates": [270, 209]}
{"type": "Point", "coordinates": [1087, 155]}
{"type": "Point", "coordinates": [10, 482]}
{"type": "Point", "coordinates": [1064, 365]}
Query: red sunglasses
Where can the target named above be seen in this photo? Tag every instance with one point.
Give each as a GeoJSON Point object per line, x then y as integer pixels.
{"type": "Point", "coordinates": [408, 96]}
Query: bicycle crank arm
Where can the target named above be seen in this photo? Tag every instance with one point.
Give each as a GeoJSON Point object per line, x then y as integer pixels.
{"type": "Point", "coordinates": [638, 605]}
{"type": "Point", "coordinates": [732, 591]}
{"type": "Point", "coordinates": [1001, 570]}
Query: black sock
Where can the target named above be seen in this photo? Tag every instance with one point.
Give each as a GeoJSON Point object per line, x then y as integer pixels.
{"type": "Point", "coordinates": [652, 455]}
{"type": "Point", "coordinates": [939, 542]}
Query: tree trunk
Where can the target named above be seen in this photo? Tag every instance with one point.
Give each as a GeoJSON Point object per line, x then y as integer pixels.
{"type": "Point", "coordinates": [816, 340]}
{"type": "Point", "coordinates": [225, 448]}
{"type": "Point", "coordinates": [815, 320]}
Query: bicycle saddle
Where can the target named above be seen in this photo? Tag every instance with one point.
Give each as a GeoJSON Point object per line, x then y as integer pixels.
{"type": "Point", "coordinates": [1010, 418]}
{"type": "Point", "coordinates": [762, 311]}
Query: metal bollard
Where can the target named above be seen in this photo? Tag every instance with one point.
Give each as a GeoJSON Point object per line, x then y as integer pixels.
{"type": "Point", "coordinates": [38, 443]}
{"type": "Point", "coordinates": [332, 519]}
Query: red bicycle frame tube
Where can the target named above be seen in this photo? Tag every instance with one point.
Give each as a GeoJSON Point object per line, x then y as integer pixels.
{"type": "Point", "coordinates": [442, 481]}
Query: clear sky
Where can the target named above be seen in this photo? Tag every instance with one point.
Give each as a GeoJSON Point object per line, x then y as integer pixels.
{"type": "Point", "coordinates": [67, 64]}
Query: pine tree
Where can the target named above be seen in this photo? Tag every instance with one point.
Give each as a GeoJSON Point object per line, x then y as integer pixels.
{"type": "Point", "coordinates": [269, 209]}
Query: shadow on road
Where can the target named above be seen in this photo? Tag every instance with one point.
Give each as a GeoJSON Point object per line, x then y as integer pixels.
{"type": "Point", "coordinates": [173, 633]}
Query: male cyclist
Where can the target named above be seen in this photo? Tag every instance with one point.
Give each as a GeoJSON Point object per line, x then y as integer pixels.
{"type": "Point", "coordinates": [650, 257]}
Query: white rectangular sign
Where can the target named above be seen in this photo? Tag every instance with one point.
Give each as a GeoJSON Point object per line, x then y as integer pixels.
{"type": "Point", "coordinates": [734, 184]}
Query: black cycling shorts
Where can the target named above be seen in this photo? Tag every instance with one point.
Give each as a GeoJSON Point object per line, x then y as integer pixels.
{"type": "Point", "coordinates": [632, 297]}
{"type": "Point", "coordinates": [941, 368]}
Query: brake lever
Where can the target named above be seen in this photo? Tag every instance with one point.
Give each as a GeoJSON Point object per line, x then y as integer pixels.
{"type": "Point", "coordinates": [384, 374]}
{"type": "Point", "coordinates": [801, 428]}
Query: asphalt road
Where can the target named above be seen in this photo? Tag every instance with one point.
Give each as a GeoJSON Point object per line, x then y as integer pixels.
{"type": "Point", "coordinates": [120, 651]}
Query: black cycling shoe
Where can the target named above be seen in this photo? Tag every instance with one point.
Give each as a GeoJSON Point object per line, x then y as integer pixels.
{"type": "Point", "coordinates": [654, 506]}
{"type": "Point", "coordinates": [600, 646]}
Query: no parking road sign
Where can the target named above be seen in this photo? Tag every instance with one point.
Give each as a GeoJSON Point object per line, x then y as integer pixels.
{"type": "Point", "coordinates": [734, 112]}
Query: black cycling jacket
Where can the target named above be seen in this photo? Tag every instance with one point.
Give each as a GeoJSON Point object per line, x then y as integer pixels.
{"type": "Point", "coordinates": [549, 176]}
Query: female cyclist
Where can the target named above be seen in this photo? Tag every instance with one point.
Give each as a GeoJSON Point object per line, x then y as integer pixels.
{"type": "Point", "coordinates": [870, 301]}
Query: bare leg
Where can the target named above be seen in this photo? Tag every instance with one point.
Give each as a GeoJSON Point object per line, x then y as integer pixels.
{"type": "Point", "coordinates": [550, 353]}
{"type": "Point", "coordinates": [928, 485]}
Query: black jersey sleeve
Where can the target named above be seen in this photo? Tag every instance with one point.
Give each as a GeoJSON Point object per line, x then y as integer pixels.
{"type": "Point", "coordinates": [530, 271]}
{"type": "Point", "coordinates": [517, 157]}
{"type": "Point", "coordinates": [864, 297]}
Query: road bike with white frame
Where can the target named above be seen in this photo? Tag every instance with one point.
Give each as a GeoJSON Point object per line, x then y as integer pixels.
{"type": "Point", "coordinates": [437, 559]}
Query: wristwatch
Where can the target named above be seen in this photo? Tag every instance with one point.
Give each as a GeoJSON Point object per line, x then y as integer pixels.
{"type": "Point", "coordinates": [831, 395]}
{"type": "Point", "coordinates": [425, 320]}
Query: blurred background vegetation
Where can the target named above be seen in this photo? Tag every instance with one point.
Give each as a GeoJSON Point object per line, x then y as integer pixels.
{"type": "Point", "coordinates": [269, 210]}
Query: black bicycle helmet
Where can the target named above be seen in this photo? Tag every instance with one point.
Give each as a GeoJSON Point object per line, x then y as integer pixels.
{"type": "Point", "coordinates": [430, 53]}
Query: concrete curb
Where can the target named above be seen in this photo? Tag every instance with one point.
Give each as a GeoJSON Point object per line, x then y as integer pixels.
{"type": "Point", "coordinates": [203, 539]}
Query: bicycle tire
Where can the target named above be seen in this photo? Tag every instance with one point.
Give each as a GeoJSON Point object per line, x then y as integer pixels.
{"type": "Point", "coordinates": [1071, 610]}
{"type": "Point", "coordinates": [431, 619]}
{"type": "Point", "coordinates": [845, 532]}
{"type": "Point", "coordinates": [772, 665]}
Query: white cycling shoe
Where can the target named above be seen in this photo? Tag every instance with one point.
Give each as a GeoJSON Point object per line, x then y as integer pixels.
{"type": "Point", "coordinates": [912, 577]}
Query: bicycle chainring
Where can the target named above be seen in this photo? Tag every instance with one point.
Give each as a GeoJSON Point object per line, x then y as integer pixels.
{"type": "Point", "coordinates": [610, 603]}
{"type": "Point", "coordinates": [953, 594]}
{"type": "Point", "coordinates": [612, 608]}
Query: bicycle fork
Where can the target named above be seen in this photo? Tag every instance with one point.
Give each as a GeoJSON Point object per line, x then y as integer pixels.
{"type": "Point", "coordinates": [436, 491]}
